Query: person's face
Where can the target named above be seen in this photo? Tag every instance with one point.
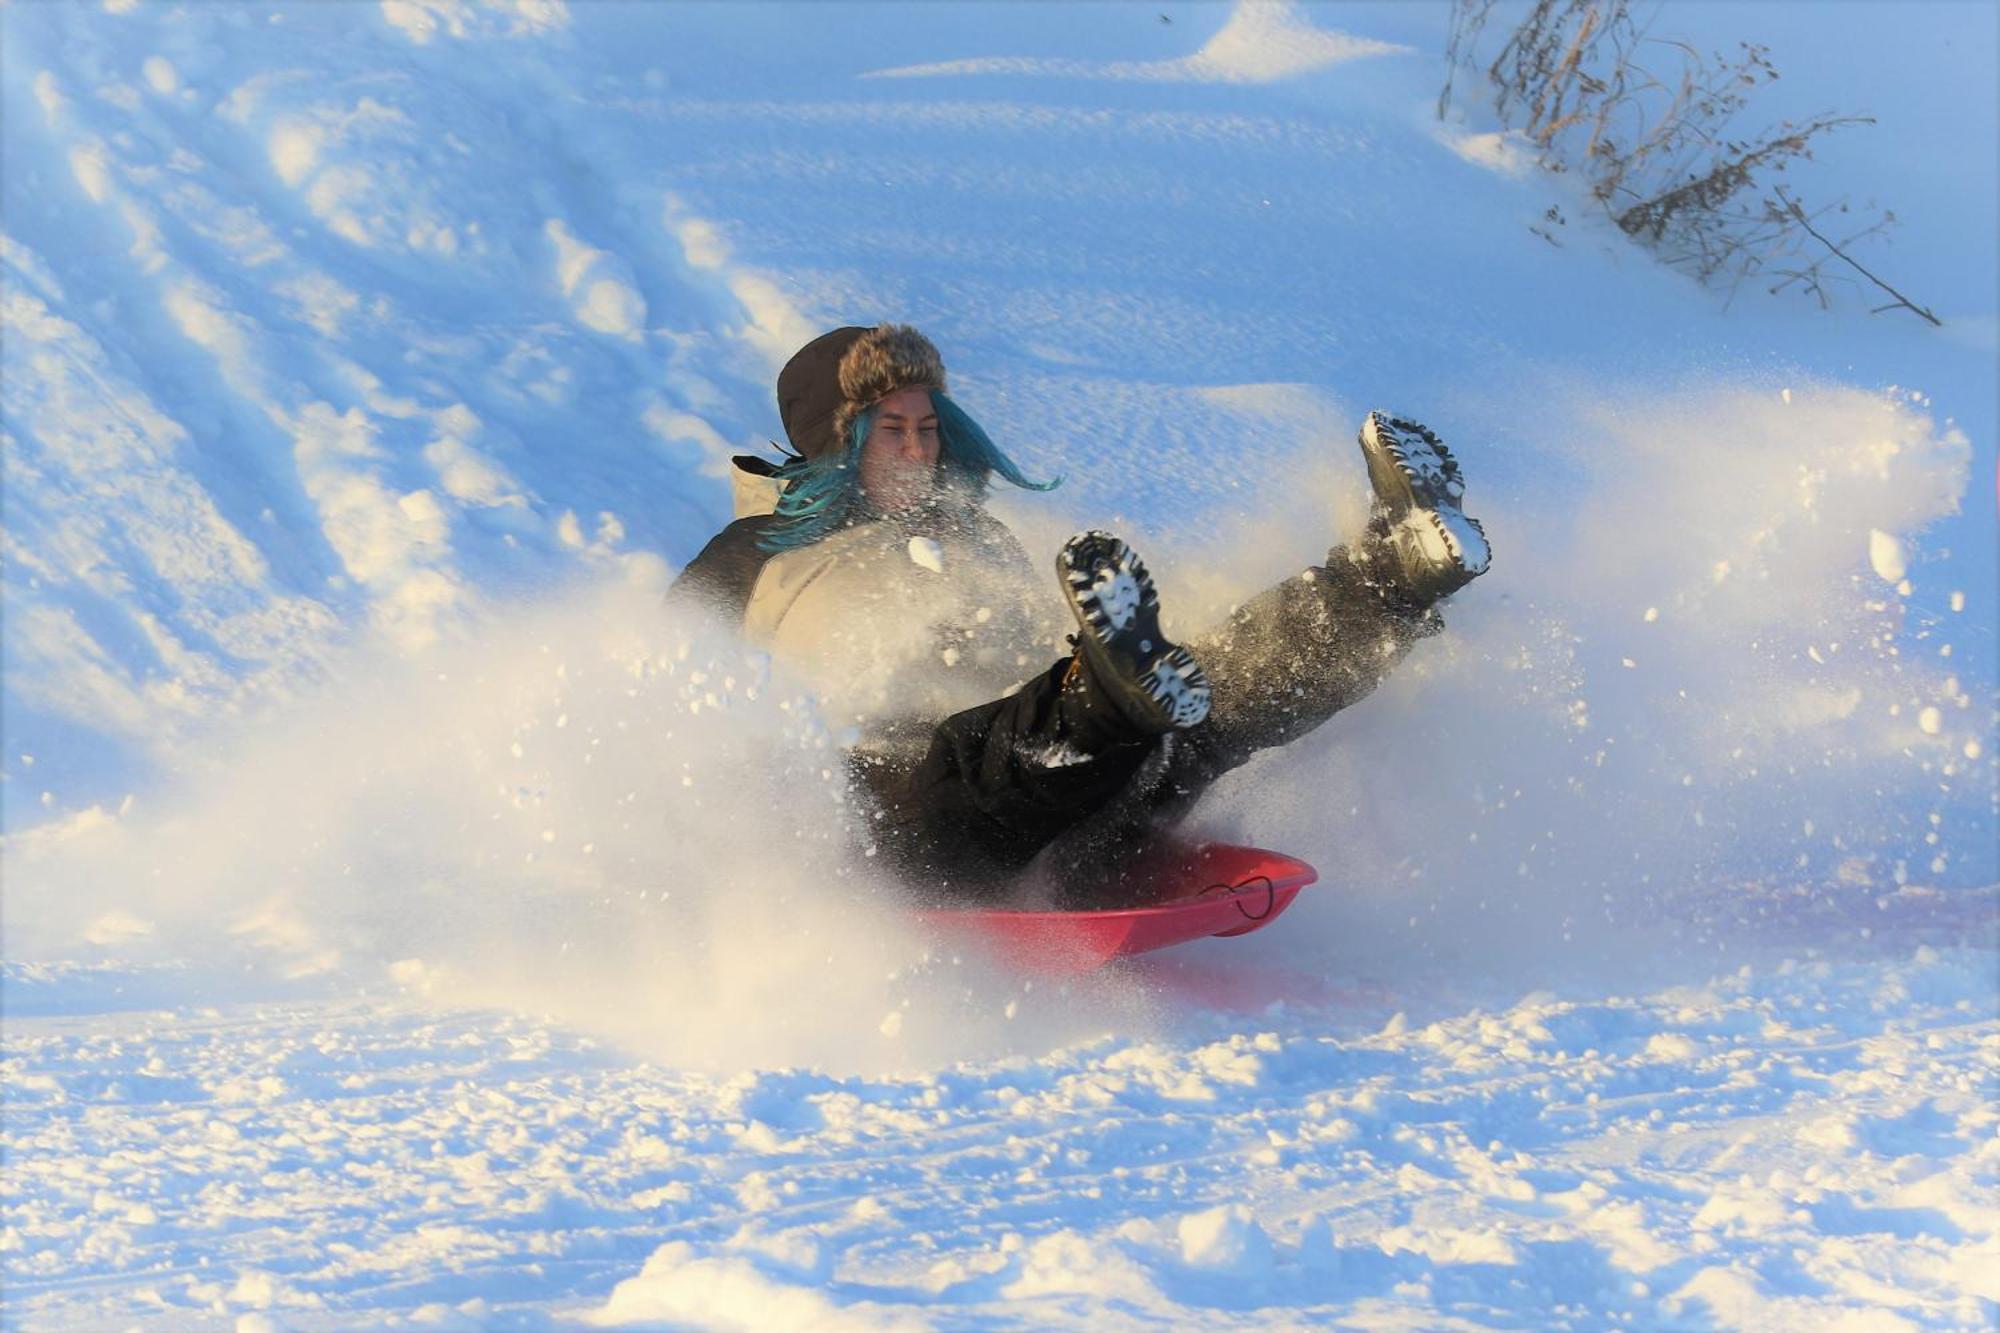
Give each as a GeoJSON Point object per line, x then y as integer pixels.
{"type": "Point", "coordinates": [899, 457]}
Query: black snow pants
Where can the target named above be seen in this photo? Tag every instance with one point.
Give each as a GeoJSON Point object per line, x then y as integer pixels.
{"type": "Point", "coordinates": [971, 807]}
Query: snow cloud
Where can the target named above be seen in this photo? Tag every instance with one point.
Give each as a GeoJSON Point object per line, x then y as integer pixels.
{"type": "Point", "coordinates": [574, 810]}
{"type": "Point", "coordinates": [1688, 665]}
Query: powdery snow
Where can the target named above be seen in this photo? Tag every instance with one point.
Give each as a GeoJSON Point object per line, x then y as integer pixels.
{"type": "Point", "coordinates": [1789, 1145]}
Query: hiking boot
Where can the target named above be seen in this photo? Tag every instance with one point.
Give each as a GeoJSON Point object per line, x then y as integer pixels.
{"type": "Point", "coordinates": [1155, 685]}
{"type": "Point", "coordinates": [1420, 543]}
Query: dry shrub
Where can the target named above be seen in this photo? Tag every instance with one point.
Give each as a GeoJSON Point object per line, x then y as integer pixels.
{"type": "Point", "coordinates": [1656, 151]}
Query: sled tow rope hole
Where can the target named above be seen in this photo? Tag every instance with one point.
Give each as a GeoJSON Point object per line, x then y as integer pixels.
{"type": "Point", "coordinates": [1236, 892]}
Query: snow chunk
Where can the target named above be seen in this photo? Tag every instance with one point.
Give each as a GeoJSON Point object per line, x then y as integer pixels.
{"type": "Point", "coordinates": [1507, 152]}
{"type": "Point", "coordinates": [1621, 1225]}
{"type": "Point", "coordinates": [925, 553]}
{"type": "Point", "coordinates": [1445, 1245]}
{"type": "Point", "coordinates": [1741, 1210]}
{"type": "Point", "coordinates": [260, 1291]}
{"type": "Point", "coordinates": [1832, 1133]}
{"type": "Point", "coordinates": [1066, 1264]}
{"type": "Point", "coordinates": [1671, 1047]}
{"type": "Point", "coordinates": [1885, 553]}
{"type": "Point", "coordinates": [796, 1252]}
{"type": "Point", "coordinates": [760, 1137]}
{"type": "Point", "coordinates": [678, 1287]}
{"type": "Point", "coordinates": [1227, 1241]}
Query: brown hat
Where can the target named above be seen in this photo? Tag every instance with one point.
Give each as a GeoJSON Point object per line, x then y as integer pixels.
{"type": "Point", "coordinates": [839, 375]}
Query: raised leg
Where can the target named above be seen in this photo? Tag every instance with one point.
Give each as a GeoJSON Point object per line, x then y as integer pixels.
{"type": "Point", "coordinates": [1297, 653]}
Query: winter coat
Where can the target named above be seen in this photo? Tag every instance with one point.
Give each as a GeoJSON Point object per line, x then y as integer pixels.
{"type": "Point", "coordinates": [719, 579]}
{"type": "Point", "coordinates": [888, 619]}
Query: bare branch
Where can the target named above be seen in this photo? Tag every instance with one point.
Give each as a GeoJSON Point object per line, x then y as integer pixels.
{"type": "Point", "coordinates": [1901, 302]}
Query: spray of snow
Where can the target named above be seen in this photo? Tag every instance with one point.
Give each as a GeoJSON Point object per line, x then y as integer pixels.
{"type": "Point", "coordinates": [1681, 674]}
{"type": "Point", "coordinates": [631, 825]}
{"type": "Point", "coordinates": [1681, 670]}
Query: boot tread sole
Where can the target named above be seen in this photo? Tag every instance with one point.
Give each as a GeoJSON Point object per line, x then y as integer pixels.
{"type": "Point", "coordinates": [1174, 688]}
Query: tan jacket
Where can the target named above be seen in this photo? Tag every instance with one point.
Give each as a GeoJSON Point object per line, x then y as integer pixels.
{"type": "Point", "coordinates": [886, 621]}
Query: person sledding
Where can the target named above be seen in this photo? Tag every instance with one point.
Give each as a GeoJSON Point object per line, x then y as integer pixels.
{"type": "Point", "coordinates": [878, 576]}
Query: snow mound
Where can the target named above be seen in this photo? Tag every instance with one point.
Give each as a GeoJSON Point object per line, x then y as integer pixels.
{"type": "Point", "coordinates": [1263, 41]}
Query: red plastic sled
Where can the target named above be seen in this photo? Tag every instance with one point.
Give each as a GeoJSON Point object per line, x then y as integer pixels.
{"type": "Point", "coordinates": [1213, 889]}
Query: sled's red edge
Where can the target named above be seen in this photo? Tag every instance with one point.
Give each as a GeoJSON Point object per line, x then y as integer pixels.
{"type": "Point", "coordinates": [1192, 909]}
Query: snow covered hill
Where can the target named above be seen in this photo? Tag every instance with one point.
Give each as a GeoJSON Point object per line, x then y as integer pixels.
{"type": "Point", "coordinates": [1772, 1150]}
{"type": "Point", "coordinates": [406, 922]}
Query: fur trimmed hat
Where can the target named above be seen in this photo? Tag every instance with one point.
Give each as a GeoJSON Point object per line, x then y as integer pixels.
{"type": "Point", "coordinates": [839, 375]}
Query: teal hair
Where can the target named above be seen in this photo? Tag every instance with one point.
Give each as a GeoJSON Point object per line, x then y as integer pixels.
{"type": "Point", "coordinates": [820, 494]}
{"type": "Point", "coordinates": [816, 494]}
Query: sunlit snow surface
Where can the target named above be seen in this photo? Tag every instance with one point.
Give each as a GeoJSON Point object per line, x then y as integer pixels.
{"type": "Point", "coordinates": [1766, 1150]}
{"type": "Point", "coordinates": [408, 922]}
